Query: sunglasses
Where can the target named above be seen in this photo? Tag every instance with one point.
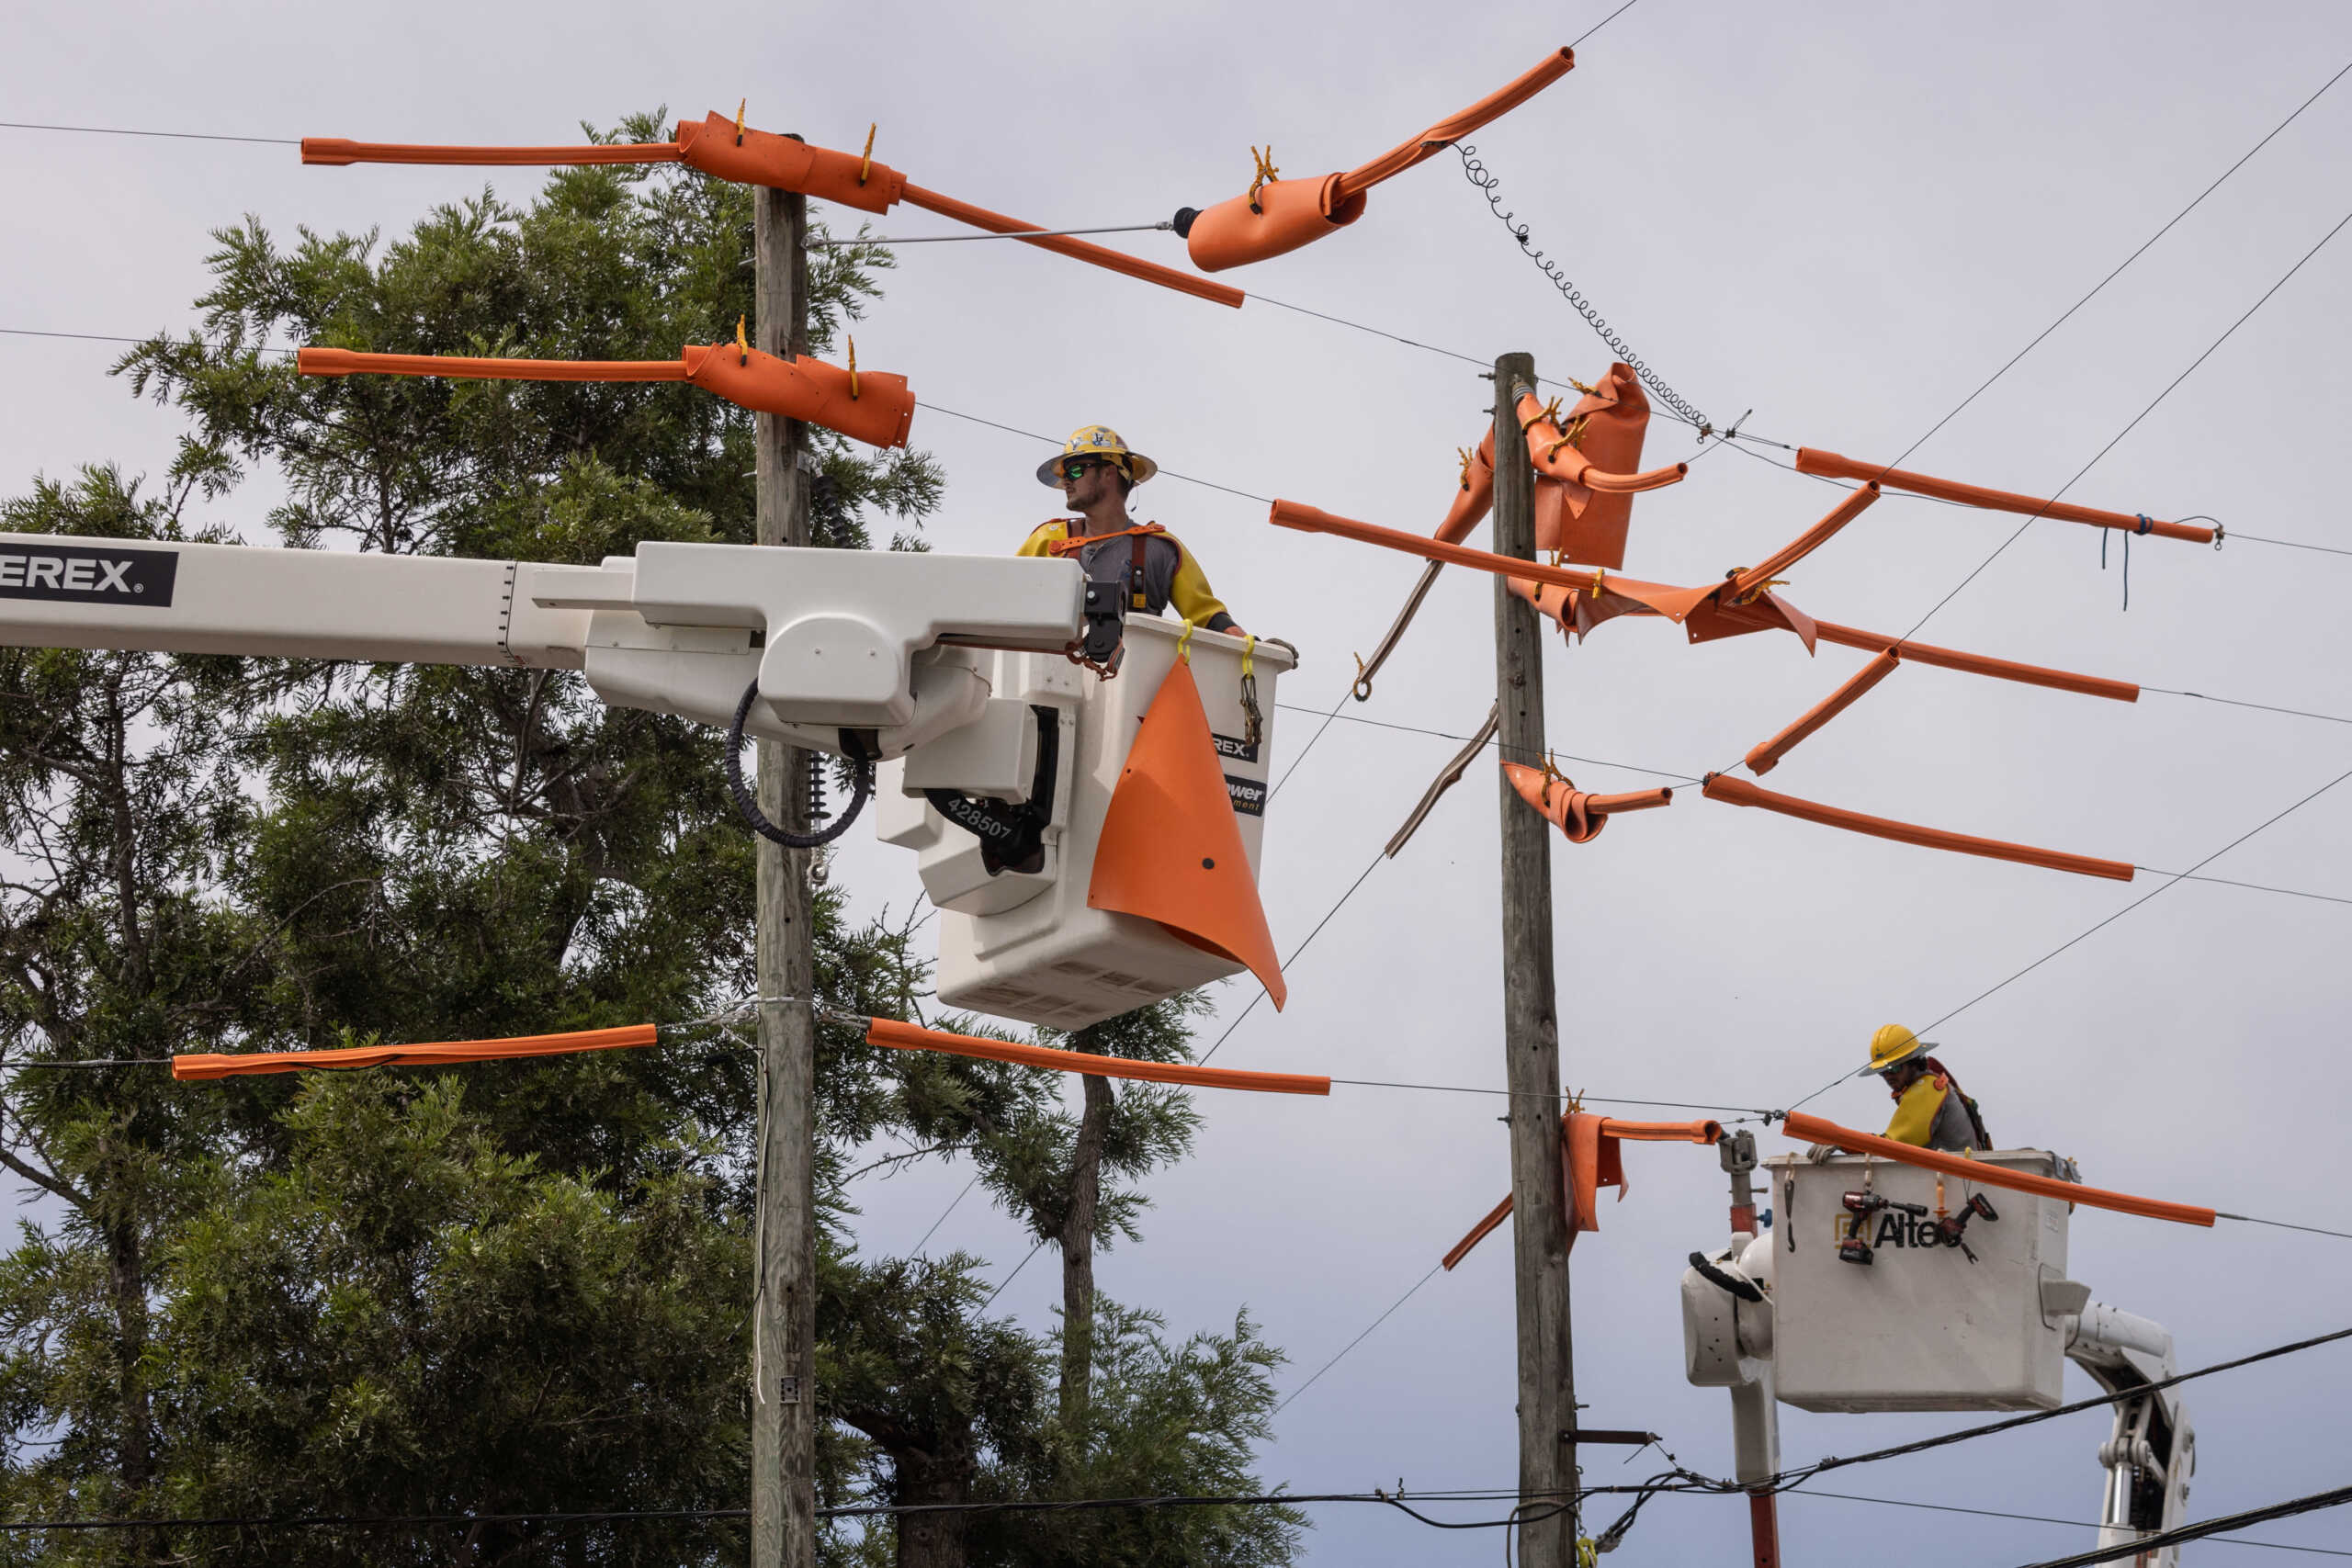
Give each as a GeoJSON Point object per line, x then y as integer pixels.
{"type": "Point", "coordinates": [1078, 468]}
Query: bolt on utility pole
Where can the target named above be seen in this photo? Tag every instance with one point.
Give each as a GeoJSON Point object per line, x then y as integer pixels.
{"type": "Point", "coordinates": [1547, 1401]}
{"type": "Point", "coordinates": [784, 1316]}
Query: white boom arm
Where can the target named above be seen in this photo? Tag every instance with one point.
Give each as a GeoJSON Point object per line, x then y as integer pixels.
{"type": "Point", "coordinates": [838, 640]}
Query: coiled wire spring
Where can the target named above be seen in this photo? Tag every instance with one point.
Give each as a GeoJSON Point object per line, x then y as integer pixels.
{"type": "Point", "coordinates": [1489, 183]}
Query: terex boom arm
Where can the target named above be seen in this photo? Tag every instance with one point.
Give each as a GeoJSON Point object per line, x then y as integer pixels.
{"type": "Point", "coordinates": [838, 640]}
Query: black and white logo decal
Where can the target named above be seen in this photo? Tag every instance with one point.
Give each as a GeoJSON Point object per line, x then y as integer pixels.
{"type": "Point", "coordinates": [101, 575]}
{"type": "Point", "coordinates": [1237, 749]}
{"type": "Point", "coordinates": [1248, 795]}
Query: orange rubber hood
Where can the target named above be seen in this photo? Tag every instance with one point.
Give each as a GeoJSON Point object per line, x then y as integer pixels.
{"type": "Point", "coordinates": [1589, 1160]}
{"type": "Point", "coordinates": [1587, 467]}
{"type": "Point", "coordinates": [1171, 849]}
{"type": "Point", "coordinates": [763, 158]}
{"type": "Point", "coordinates": [1578, 815]}
{"type": "Point", "coordinates": [1274, 217]}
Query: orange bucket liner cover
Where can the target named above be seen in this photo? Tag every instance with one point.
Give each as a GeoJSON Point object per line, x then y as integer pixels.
{"type": "Point", "coordinates": [1738, 792]}
{"type": "Point", "coordinates": [912, 1037]}
{"type": "Point", "coordinates": [1171, 849]}
{"type": "Point", "coordinates": [247, 1063]}
{"type": "Point", "coordinates": [1815, 1130]}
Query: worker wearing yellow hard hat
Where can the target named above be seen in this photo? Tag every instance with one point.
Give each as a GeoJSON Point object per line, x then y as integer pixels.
{"type": "Point", "coordinates": [1930, 1110]}
{"type": "Point", "coordinates": [1152, 569]}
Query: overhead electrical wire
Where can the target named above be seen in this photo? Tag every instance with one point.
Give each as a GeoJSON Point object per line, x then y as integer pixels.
{"type": "Point", "coordinates": [2184, 1533]}
{"type": "Point", "coordinates": [2047, 1519]}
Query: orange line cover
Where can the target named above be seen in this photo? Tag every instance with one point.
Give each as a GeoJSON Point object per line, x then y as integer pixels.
{"type": "Point", "coordinates": [1813, 1130]}
{"type": "Point", "coordinates": [1590, 1161]}
{"type": "Point", "coordinates": [1766, 755]}
{"type": "Point", "coordinates": [1077, 250]}
{"type": "Point", "coordinates": [1829, 465]}
{"type": "Point", "coordinates": [1310, 520]}
{"type": "Point", "coordinates": [249, 1062]}
{"type": "Point", "coordinates": [1739, 792]}
{"type": "Point", "coordinates": [876, 408]}
{"type": "Point", "coordinates": [1978, 663]}
{"type": "Point", "coordinates": [911, 1037]}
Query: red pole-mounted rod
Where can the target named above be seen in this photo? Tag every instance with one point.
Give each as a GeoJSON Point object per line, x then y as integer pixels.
{"type": "Point", "coordinates": [1829, 465]}
{"type": "Point", "coordinates": [1739, 792]}
{"type": "Point", "coordinates": [1815, 1130]}
{"type": "Point", "coordinates": [1077, 250]}
{"type": "Point", "coordinates": [1767, 756]}
{"type": "Point", "coordinates": [912, 1037]}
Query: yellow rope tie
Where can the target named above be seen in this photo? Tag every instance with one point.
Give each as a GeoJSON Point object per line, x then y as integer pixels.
{"type": "Point", "coordinates": [739, 108]}
{"type": "Point", "coordinates": [1266, 171]}
{"type": "Point", "coordinates": [866, 159]}
{"type": "Point", "coordinates": [1579, 386]}
{"type": "Point", "coordinates": [743, 344]}
{"type": "Point", "coordinates": [1465, 451]}
{"type": "Point", "coordinates": [852, 369]}
{"type": "Point", "coordinates": [1184, 644]}
{"type": "Point", "coordinates": [1248, 647]}
{"type": "Point", "coordinates": [1599, 582]}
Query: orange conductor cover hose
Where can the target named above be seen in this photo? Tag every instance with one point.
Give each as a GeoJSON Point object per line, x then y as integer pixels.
{"type": "Point", "coordinates": [1309, 520]}
{"type": "Point", "coordinates": [875, 407]}
{"type": "Point", "coordinates": [1576, 814]}
{"type": "Point", "coordinates": [912, 1037]}
{"type": "Point", "coordinates": [1738, 792]}
{"type": "Point", "coordinates": [1556, 456]}
{"type": "Point", "coordinates": [252, 1063]}
{"type": "Point", "coordinates": [1077, 250]}
{"type": "Point", "coordinates": [1446, 132]}
{"type": "Point", "coordinates": [1829, 465]}
{"type": "Point", "coordinates": [1750, 579]}
{"type": "Point", "coordinates": [1765, 757]}
{"type": "Point", "coordinates": [1978, 663]}
{"type": "Point", "coordinates": [1813, 1130]}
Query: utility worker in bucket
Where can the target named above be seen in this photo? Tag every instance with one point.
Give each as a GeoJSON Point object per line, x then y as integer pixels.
{"type": "Point", "coordinates": [1930, 1110]}
{"type": "Point", "coordinates": [1150, 568]}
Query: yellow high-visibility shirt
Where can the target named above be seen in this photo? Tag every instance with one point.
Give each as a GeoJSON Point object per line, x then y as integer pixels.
{"type": "Point", "coordinates": [1171, 574]}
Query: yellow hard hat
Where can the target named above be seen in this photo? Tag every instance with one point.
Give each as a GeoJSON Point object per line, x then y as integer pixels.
{"type": "Point", "coordinates": [1097, 441]}
{"type": "Point", "coordinates": [1892, 1046]}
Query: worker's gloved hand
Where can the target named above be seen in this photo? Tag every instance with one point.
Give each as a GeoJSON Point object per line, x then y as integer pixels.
{"type": "Point", "coordinates": [1819, 1154]}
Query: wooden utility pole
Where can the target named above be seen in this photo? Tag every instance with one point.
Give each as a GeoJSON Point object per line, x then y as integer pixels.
{"type": "Point", "coordinates": [1547, 1402]}
{"type": "Point", "coordinates": [784, 1312]}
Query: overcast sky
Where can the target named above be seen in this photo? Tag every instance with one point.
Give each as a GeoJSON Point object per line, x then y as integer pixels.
{"type": "Point", "coordinates": [1843, 216]}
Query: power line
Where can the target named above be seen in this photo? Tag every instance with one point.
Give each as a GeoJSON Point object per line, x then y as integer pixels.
{"type": "Point", "coordinates": [1359, 1339]}
{"type": "Point", "coordinates": [168, 135]}
{"type": "Point", "coordinates": [1449, 735]}
{"type": "Point", "coordinates": [1295, 951]}
{"type": "Point", "coordinates": [2046, 1519]}
{"type": "Point", "coordinates": [2177, 879]}
{"type": "Point", "coordinates": [2162, 1538]}
{"type": "Point", "coordinates": [2260, 707]}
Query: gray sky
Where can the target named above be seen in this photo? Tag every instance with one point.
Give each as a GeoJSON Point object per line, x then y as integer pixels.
{"type": "Point", "coordinates": [1843, 216]}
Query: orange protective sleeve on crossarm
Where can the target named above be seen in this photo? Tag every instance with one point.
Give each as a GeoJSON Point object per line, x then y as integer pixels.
{"type": "Point", "coordinates": [1077, 250]}
{"type": "Point", "coordinates": [1738, 792]}
{"type": "Point", "coordinates": [247, 1063]}
{"type": "Point", "coordinates": [1445, 132]}
{"type": "Point", "coordinates": [1978, 663]}
{"type": "Point", "coordinates": [912, 1037]}
{"type": "Point", "coordinates": [1813, 1130]}
{"type": "Point", "coordinates": [1765, 757]}
{"type": "Point", "coordinates": [1309, 520]}
{"type": "Point", "coordinates": [338, 150]}
{"type": "Point", "coordinates": [351, 362]}
{"type": "Point", "coordinates": [1829, 465]}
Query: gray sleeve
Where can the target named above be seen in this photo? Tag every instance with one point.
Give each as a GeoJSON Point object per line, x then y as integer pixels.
{"type": "Point", "coordinates": [1951, 1131]}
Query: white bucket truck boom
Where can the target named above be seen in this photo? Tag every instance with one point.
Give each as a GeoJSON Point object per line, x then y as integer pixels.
{"type": "Point", "coordinates": [959, 672]}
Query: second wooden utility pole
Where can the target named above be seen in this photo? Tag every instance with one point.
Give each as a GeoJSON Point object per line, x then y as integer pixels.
{"type": "Point", "coordinates": [784, 1313]}
{"type": "Point", "coordinates": [1547, 1400]}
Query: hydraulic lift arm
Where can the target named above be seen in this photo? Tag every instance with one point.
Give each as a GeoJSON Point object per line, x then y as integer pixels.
{"type": "Point", "coordinates": [853, 652]}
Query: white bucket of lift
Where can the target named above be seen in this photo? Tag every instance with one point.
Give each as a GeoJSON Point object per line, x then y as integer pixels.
{"type": "Point", "coordinates": [1030, 946]}
{"type": "Point", "coordinates": [1920, 1327]}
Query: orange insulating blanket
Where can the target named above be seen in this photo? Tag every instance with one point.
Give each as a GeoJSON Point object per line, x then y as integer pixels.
{"type": "Point", "coordinates": [1590, 1161]}
{"type": "Point", "coordinates": [1813, 1130]}
{"type": "Point", "coordinates": [1738, 792]}
{"type": "Point", "coordinates": [711, 145]}
{"type": "Point", "coordinates": [1077, 250]}
{"type": "Point", "coordinates": [1581, 816]}
{"type": "Point", "coordinates": [880, 411]}
{"type": "Point", "coordinates": [1829, 465]}
{"type": "Point", "coordinates": [1587, 472]}
{"type": "Point", "coordinates": [1279, 216]}
{"type": "Point", "coordinates": [247, 1063]}
{"type": "Point", "coordinates": [1766, 756]}
{"type": "Point", "coordinates": [1474, 494]}
{"type": "Point", "coordinates": [909, 1037]}
{"type": "Point", "coordinates": [1171, 849]}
